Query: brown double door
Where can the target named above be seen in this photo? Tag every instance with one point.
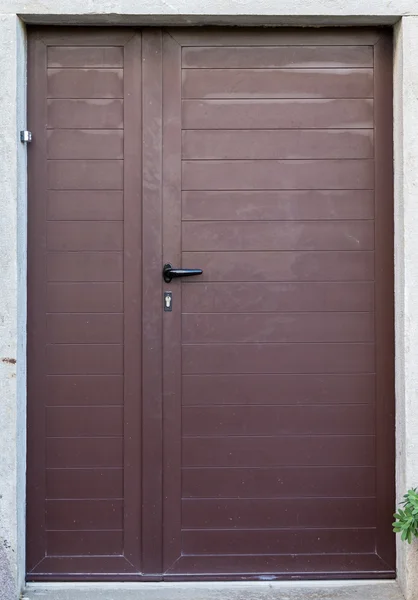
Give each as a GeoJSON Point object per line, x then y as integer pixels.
{"type": "Point", "coordinates": [248, 432]}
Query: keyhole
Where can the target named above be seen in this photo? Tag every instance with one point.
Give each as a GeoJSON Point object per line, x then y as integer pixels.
{"type": "Point", "coordinates": [167, 301]}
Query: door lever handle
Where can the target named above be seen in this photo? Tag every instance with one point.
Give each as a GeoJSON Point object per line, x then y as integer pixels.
{"type": "Point", "coordinates": [170, 273]}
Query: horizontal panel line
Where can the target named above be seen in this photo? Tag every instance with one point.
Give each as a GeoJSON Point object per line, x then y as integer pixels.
{"type": "Point", "coordinates": [239, 221]}
{"type": "Point", "coordinates": [261, 343]}
{"type": "Point", "coordinates": [226, 129]}
{"type": "Point", "coordinates": [71, 281]}
{"type": "Point", "coordinates": [347, 343]}
{"type": "Point", "coordinates": [85, 98]}
{"type": "Point", "coordinates": [102, 221]}
{"type": "Point", "coordinates": [84, 437]}
{"type": "Point", "coordinates": [114, 373]}
{"type": "Point", "coordinates": [287, 467]}
{"type": "Point", "coordinates": [255, 190]}
{"type": "Point", "coordinates": [259, 281]}
{"type": "Point", "coordinates": [116, 499]}
{"type": "Point", "coordinates": [294, 281]}
{"type": "Point", "coordinates": [99, 190]}
{"type": "Point", "coordinates": [277, 466]}
{"type": "Point", "coordinates": [85, 530]}
{"type": "Point", "coordinates": [100, 159]}
{"type": "Point", "coordinates": [87, 313]}
{"type": "Point", "coordinates": [295, 528]}
{"type": "Point", "coordinates": [84, 468]}
{"type": "Point", "coordinates": [275, 69]}
{"type": "Point", "coordinates": [253, 160]}
{"type": "Point", "coordinates": [88, 68]}
{"type": "Point", "coordinates": [84, 344]}
{"type": "Point", "coordinates": [276, 404]}
{"type": "Point", "coordinates": [277, 437]}
{"type": "Point", "coordinates": [312, 573]}
{"type": "Point", "coordinates": [95, 343]}
{"type": "Point", "coordinates": [84, 375]}
{"type": "Point", "coordinates": [250, 498]}
{"type": "Point", "coordinates": [120, 68]}
{"type": "Point", "coordinates": [248, 46]}
{"type": "Point", "coordinates": [252, 98]}
{"type": "Point", "coordinates": [88, 129]}
{"type": "Point", "coordinates": [84, 190]}
{"type": "Point", "coordinates": [266, 312]}
{"type": "Point", "coordinates": [87, 557]}
{"type": "Point", "coordinates": [348, 129]}
{"type": "Point", "coordinates": [120, 252]}
{"type": "Point", "coordinates": [245, 252]}
{"type": "Point", "coordinates": [271, 312]}
{"type": "Point", "coordinates": [283, 435]}
{"type": "Point", "coordinates": [296, 374]}
{"type": "Point", "coordinates": [84, 128]}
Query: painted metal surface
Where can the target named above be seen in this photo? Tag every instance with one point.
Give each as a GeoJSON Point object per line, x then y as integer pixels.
{"type": "Point", "coordinates": [267, 396]}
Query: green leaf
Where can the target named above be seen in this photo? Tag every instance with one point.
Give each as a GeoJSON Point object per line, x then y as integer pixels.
{"type": "Point", "coordinates": [406, 518]}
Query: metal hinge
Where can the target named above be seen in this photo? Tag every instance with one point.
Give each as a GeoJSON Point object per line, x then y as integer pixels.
{"type": "Point", "coordinates": [25, 136]}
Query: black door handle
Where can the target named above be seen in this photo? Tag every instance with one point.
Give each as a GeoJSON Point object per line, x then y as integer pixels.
{"type": "Point", "coordinates": [169, 273]}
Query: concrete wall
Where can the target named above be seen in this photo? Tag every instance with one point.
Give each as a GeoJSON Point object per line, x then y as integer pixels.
{"type": "Point", "coordinates": [406, 278]}
{"type": "Point", "coordinates": [13, 217]}
{"type": "Point", "coordinates": [12, 305]}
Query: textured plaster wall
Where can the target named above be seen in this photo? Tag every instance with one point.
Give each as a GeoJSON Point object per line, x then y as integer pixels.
{"type": "Point", "coordinates": [13, 218]}
{"type": "Point", "coordinates": [406, 278]}
{"type": "Point", "coordinates": [255, 11]}
{"type": "Point", "coordinates": [12, 306]}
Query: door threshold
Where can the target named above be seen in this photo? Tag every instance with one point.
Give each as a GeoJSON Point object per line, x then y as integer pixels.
{"type": "Point", "coordinates": [253, 590]}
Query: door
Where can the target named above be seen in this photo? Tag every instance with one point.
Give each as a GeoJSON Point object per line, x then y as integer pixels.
{"type": "Point", "coordinates": [278, 360]}
{"type": "Point", "coordinates": [248, 431]}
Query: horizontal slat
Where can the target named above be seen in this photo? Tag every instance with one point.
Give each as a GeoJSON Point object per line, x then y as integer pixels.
{"type": "Point", "coordinates": [277, 389]}
{"type": "Point", "coordinates": [84, 483]}
{"type": "Point", "coordinates": [274, 83]}
{"type": "Point", "coordinates": [84, 328]}
{"type": "Point", "coordinates": [85, 113]}
{"type": "Point", "coordinates": [90, 235]}
{"type": "Point", "coordinates": [278, 358]}
{"type": "Point", "coordinates": [85, 266]}
{"type": "Point", "coordinates": [84, 390]}
{"type": "Point", "coordinates": [85, 206]}
{"type": "Point", "coordinates": [277, 114]}
{"type": "Point", "coordinates": [67, 543]}
{"type": "Point", "coordinates": [277, 420]}
{"type": "Point", "coordinates": [270, 327]}
{"type": "Point", "coordinates": [296, 541]}
{"type": "Point", "coordinates": [281, 266]}
{"type": "Point", "coordinates": [102, 565]}
{"type": "Point", "coordinates": [85, 56]}
{"type": "Point", "coordinates": [274, 36]}
{"type": "Point", "coordinates": [275, 174]}
{"type": "Point", "coordinates": [289, 205]}
{"type": "Point", "coordinates": [81, 452]}
{"type": "Point", "coordinates": [275, 144]}
{"type": "Point", "coordinates": [312, 566]}
{"type": "Point", "coordinates": [302, 512]}
{"type": "Point", "coordinates": [85, 174]}
{"type": "Point", "coordinates": [303, 482]}
{"type": "Point", "coordinates": [287, 235]}
{"type": "Point", "coordinates": [281, 297]}
{"type": "Point", "coordinates": [85, 143]}
{"type": "Point", "coordinates": [79, 359]}
{"type": "Point", "coordinates": [84, 83]}
{"type": "Point", "coordinates": [84, 297]}
{"type": "Point", "coordinates": [288, 451]}
{"type": "Point", "coordinates": [244, 57]}
{"type": "Point", "coordinates": [84, 514]}
{"type": "Point", "coordinates": [84, 421]}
